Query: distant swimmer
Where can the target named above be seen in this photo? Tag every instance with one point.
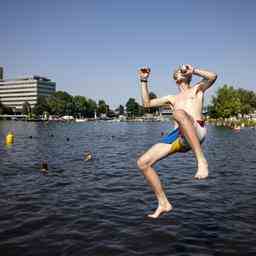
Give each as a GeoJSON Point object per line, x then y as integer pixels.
{"type": "Point", "coordinates": [44, 167]}
{"type": "Point", "coordinates": [189, 127]}
{"type": "Point", "coordinates": [87, 156]}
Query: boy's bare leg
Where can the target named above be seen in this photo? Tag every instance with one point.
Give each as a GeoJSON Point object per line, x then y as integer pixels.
{"type": "Point", "coordinates": [145, 162]}
{"type": "Point", "coordinates": [188, 129]}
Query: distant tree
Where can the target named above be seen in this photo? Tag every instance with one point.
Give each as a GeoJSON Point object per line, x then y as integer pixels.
{"type": "Point", "coordinates": [60, 103]}
{"type": "Point", "coordinates": [26, 108]}
{"type": "Point", "coordinates": [226, 103]}
{"type": "Point", "coordinates": [230, 102]}
{"type": "Point", "coordinates": [133, 108]}
{"type": "Point", "coordinates": [92, 107]}
{"type": "Point", "coordinates": [80, 106]}
{"type": "Point", "coordinates": [103, 108]}
{"type": "Point", "coordinates": [62, 95]}
{"type": "Point", "coordinates": [41, 106]}
{"type": "Point", "coordinates": [248, 100]}
{"type": "Point", "coordinates": [70, 108]}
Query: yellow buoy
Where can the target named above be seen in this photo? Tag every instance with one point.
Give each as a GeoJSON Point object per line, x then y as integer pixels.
{"type": "Point", "coordinates": [9, 139]}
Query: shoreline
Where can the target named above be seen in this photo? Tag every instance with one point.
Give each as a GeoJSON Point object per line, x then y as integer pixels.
{"type": "Point", "coordinates": [232, 123]}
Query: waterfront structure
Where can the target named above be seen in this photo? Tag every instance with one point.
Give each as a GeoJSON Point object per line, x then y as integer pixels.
{"type": "Point", "coordinates": [14, 92]}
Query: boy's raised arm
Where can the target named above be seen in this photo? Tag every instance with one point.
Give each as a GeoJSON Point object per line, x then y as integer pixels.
{"type": "Point", "coordinates": [208, 78]}
{"type": "Point", "coordinates": [146, 101]}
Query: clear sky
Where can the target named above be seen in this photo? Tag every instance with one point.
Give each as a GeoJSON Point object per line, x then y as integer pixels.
{"type": "Point", "coordinates": [94, 48]}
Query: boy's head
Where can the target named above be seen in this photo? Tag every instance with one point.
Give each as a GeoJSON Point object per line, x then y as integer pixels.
{"type": "Point", "coordinates": [180, 76]}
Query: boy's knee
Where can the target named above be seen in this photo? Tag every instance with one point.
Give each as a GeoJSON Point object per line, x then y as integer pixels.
{"type": "Point", "coordinates": [142, 164]}
{"type": "Point", "coordinates": [179, 114]}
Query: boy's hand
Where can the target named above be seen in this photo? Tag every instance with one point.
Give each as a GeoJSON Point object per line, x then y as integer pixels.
{"type": "Point", "coordinates": [144, 73]}
{"type": "Point", "coordinates": [187, 70]}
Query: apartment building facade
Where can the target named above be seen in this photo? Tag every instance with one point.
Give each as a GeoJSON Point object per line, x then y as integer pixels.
{"type": "Point", "coordinates": [14, 92]}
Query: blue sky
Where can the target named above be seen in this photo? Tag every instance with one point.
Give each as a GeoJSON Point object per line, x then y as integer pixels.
{"type": "Point", "coordinates": [94, 48]}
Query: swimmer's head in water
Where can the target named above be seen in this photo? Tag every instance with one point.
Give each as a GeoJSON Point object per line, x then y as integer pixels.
{"type": "Point", "coordinates": [87, 156]}
{"type": "Point", "coordinates": [44, 166]}
{"type": "Point", "coordinates": [179, 76]}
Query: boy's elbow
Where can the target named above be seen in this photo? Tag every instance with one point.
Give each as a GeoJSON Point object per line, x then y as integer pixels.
{"type": "Point", "coordinates": [214, 77]}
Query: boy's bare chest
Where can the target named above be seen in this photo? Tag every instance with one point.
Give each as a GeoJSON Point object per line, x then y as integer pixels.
{"type": "Point", "coordinates": [185, 97]}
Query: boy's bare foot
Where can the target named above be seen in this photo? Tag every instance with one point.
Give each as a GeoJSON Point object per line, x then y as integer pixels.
{"type": "Point", "coordinates": [202, 171]}
{"type": "Point", "coordinates": [160, 210]}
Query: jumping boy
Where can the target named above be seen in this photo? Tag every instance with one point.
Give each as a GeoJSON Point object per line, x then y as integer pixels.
{"type": "Point", "coordinates": [189, 130]}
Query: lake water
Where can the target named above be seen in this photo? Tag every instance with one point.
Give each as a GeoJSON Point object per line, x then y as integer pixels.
{"type": "Point", "coordinates": [99, 207]}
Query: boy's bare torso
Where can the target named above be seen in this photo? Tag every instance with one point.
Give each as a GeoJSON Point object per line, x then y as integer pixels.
{"type": "Point", "coordinates": [191, 101]}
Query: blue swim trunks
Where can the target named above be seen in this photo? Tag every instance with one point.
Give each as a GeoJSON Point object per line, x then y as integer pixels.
{"type": "Point", "coordinates": [178, 142]}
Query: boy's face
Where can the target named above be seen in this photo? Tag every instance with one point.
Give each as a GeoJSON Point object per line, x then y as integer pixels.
{"type": "Point", "coordinates": [180, 77]}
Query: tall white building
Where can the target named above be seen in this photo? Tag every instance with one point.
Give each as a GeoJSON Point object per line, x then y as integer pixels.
{"type": "Point", "coordinates": [14, 92]}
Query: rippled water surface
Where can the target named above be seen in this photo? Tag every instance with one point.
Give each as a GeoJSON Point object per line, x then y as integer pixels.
{"type": "Point", "coordinates": [99, 207]}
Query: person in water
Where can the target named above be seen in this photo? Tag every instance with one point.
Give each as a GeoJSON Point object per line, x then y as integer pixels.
{"type": "Point", "coordinates": [189, 129]}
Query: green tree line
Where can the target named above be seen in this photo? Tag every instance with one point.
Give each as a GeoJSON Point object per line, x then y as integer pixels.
{"type": "Point", "coordinates": [229, 101]}
{"type": "Point", "coordinates": [62, 103]}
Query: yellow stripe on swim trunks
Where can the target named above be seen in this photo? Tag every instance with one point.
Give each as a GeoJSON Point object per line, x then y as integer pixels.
{"type": "Point", "coordinates": [173, 138]}
{"type": "Point", "coordinates": [176, 146]}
